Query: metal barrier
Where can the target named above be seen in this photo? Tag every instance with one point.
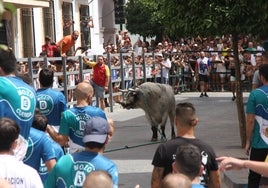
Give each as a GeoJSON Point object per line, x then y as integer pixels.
{"type": "Point", "coordinates": [120, 76]}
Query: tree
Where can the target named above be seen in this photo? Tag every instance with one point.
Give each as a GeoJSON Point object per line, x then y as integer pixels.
{"type": "Point", "coordinates": [1, 9]}
{"type": "Point", "coordinates": [218, 17]}
{"type": "Point", "coordinates": [143, 18]}
{"type": "Point", "coordinates": [5, 7]}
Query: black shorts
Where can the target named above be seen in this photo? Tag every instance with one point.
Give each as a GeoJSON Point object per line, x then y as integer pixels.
{"type": "Point", "coordinates": [254, 179]}
{"type": "Point", "coordinates": [203, 78]}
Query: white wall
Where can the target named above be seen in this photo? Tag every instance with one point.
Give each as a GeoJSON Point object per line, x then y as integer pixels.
{"type": "Point", "coordinates": [38, 30]}
{"type": "Point", "coordinates": [100, 10]}
{"type": "Point", "coordinates": [96, 31]}
{"type": "Point", "coordinates": [58, 19]}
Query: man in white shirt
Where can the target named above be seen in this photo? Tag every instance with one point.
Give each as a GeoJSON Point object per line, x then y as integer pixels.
{"type": "Point", "coordinates": [164, 66]}
{"type": "Point", "coordinates": [18, 174]}
{"type": "Point", "coordinates": [203, 69]}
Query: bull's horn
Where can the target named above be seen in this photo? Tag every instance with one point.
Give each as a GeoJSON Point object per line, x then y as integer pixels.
{"type": "Point", "coordinates": [131, 89]}
{"type": "Point", "coordinates": [119, 102]}
{"type": "Point", "coordinates": [122, 103]}
{"type": "Point", "coordinates": [122, 90]}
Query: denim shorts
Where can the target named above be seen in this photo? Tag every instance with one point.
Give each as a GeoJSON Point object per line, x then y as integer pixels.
{"type": "Point", "coordinates": [99, 91]}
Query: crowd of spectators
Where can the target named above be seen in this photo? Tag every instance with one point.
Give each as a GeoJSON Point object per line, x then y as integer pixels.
{"type": "Point", "coordinates": [183, 55]}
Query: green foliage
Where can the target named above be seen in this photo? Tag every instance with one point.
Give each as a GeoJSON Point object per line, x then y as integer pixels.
{"type": "Point", "coordinates": [197, 17]}
{"type": "Point", "coordinates": [143, 18]}
{"type": "Point", "coordinates": [211, 17]}
{"type": "Point", "coordinates": [1, 9]}
{"type": "Point", "coordinates": [10, 7]}
{"type": "Point", "coordinates": [6, 6]}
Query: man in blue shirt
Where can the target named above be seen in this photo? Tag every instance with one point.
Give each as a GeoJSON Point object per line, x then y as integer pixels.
{"type": "Point", "coordinates": [50, 102]}
{"type": "Point", "coordinates": [74, 119]}
{"type": "Point", "coordinates": [17, 99]}
{"type": "Point", "coordinates": [72, 169]}
{"type": "Point", "coordinates": [41, 148]}
{"type": "Point", "coordinates": [257, 124]}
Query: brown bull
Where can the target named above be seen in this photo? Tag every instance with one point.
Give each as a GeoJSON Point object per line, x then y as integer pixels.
{"type": "Point", "coordinates": [157, 101]}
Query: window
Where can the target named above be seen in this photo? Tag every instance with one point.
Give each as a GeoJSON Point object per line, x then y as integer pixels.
{"type": "Point", "coordinates": [6, 33]}
{"type": "Point", "coordinates": [68, 22]}
{"type": "Point", "coordinates": [49, 24]}
{"type": "Point", "coordinates": [27, 32]}
{"type": "Point", "coordinates": [85, 24]}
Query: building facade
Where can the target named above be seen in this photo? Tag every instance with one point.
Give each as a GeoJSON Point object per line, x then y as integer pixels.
{"type": "Point", "coordinates": [25, 29]}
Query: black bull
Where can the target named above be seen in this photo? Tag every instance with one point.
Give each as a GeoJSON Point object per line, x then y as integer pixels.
{"type": "Point", "coordinates": [157, 101]}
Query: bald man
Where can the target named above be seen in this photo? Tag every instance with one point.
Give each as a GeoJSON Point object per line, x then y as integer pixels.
{"type": "Point", "coordinates": [98, 179]}
{"type": "Point", "coordinates": [73, 120]}
{"type": "Point", "coordinates": [176, 181]}
{"type": "Point", "coordinates": [67, 42]}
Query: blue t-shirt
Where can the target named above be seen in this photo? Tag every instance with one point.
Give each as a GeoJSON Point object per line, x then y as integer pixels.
{"type": "Point", "coordinates": [17, 101]}
{"type": "Point", "coordinates": [51, 103]}
{"type": "Point", "coordinates": [197, 186]}
{"type": "Point", "coordinates": [71, 170]}
{"type": "Point", "coordinates": [43, 172]}
{"type": "Point", "coordinates": [40, 147]}
{"type": "Point", "coordinates": [73, 122]}
{"type": "Point", "coordinates": [258, 104]}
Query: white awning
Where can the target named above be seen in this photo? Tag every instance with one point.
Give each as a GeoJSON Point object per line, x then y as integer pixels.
{"type": "Point", "coordinates": [28, 3]}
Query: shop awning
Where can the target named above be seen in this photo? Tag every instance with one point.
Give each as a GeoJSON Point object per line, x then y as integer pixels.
{"type": "Point", "coordinates": [28, 3]}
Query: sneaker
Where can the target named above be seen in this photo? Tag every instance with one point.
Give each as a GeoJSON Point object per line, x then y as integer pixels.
{"type": "Point", "coordinates": [206, 95]}
{"type": "Point", "coordinates": [201, 95]}
{"type": "Point", "coordinates": [234, 97]}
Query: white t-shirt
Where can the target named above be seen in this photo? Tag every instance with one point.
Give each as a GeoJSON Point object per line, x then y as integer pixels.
{"type": "Point", "coordinates": [167, 63]}
{"type": "Point", "coordinates": [220, 67]}
{"type": "Point", "coordinates": [18, 174]}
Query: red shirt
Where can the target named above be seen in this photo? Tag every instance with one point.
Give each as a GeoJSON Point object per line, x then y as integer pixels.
{"type": "Point", "coordinates": [49, 49]}
{"type": "Point", "coordinates": [100, 74]}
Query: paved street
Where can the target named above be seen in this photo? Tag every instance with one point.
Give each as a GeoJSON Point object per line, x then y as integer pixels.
{"type": "Point", "coordinates": [132, 150]}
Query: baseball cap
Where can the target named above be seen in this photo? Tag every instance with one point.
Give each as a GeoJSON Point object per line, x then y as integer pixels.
{"type": "Point", "coordinates": [96, 130]}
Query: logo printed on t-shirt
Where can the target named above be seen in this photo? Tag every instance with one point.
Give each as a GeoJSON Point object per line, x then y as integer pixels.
{"type": "Point", "coordinates": [81, 170]}
{"type": "Point", "coordinates": [26, 108]}
{"type": "Point", "coordinates": [82, 119]}
{"type": "Point", "coordinates": [30, 149]}
{"type": "Point", "coordinates": [45, 104]}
